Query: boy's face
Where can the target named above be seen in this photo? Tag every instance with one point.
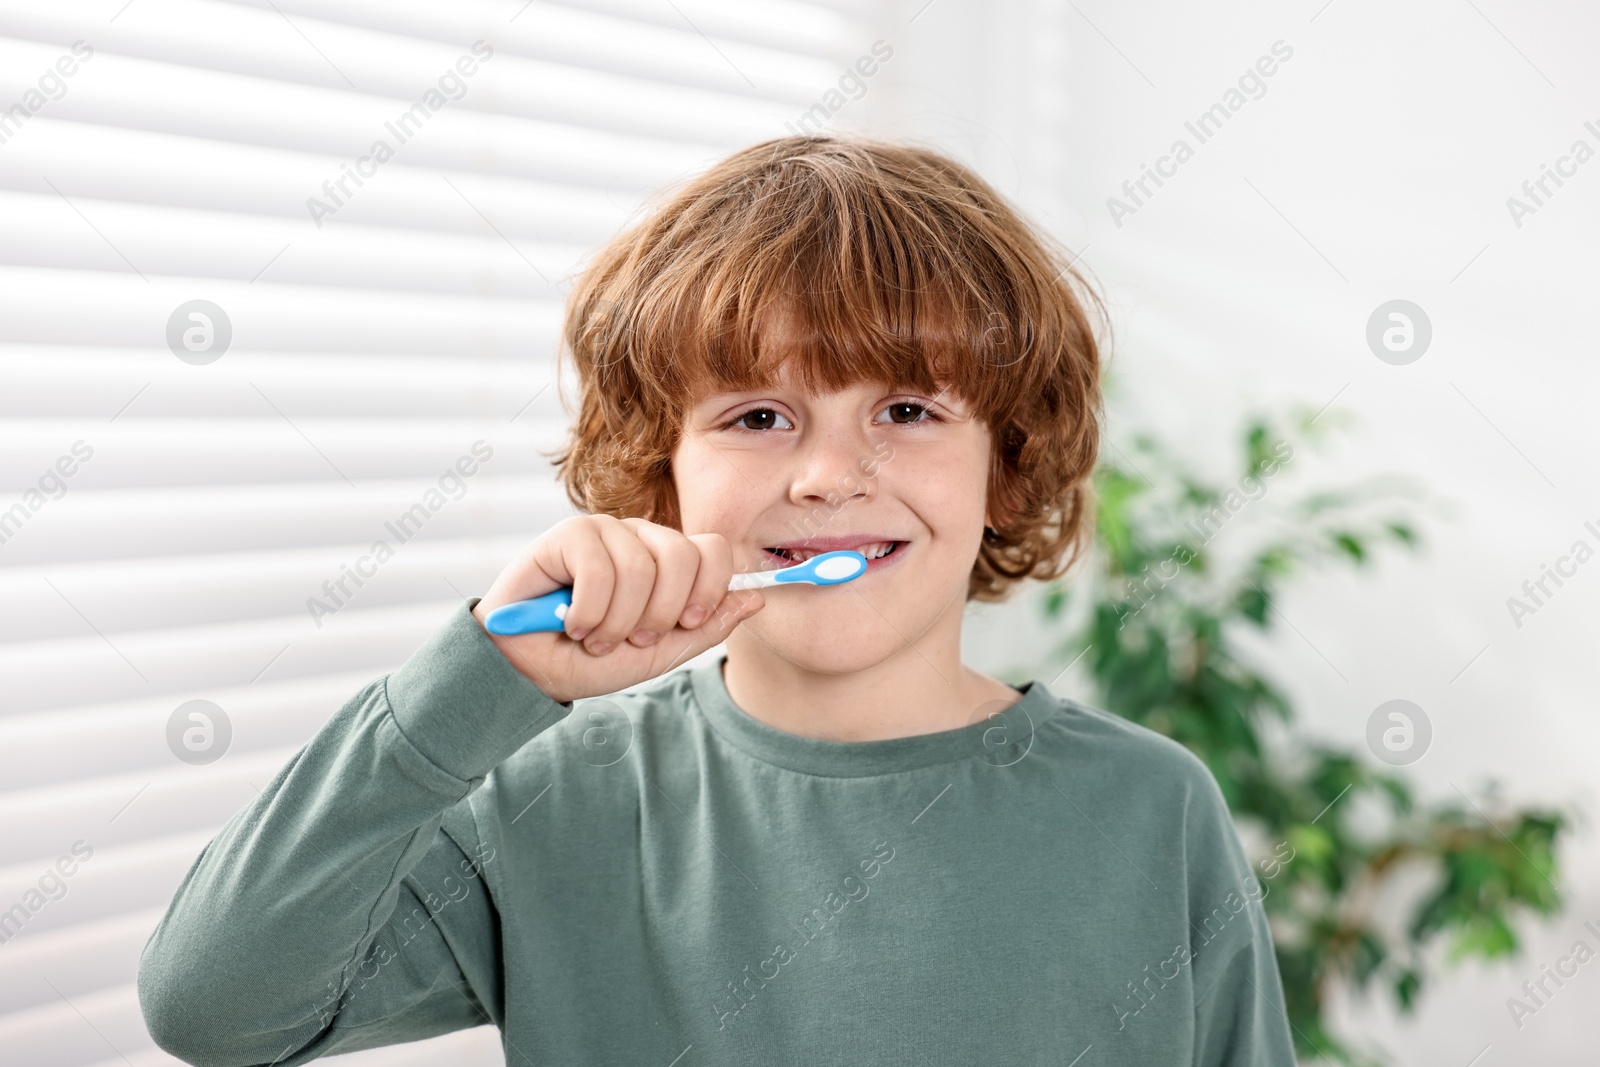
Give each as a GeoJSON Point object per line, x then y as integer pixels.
{"type": "Point", "coordinates": [780, 466]}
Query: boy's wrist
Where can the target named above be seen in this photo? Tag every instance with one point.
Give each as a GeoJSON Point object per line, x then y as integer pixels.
{"type": "Point", "coordinates": [519, 662]}
{"type": "Point", "coordinates": [463, 704]}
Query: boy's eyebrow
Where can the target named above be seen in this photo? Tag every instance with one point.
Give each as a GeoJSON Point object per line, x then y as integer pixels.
{"type": "Point", "coordinates": [941, 395]}
{"type": "Point", "coordinates": [720, 393]}
{"type": "Point", "coordinates": [778, 387]}
{"type": "Point", "coordinates": [729, 396]}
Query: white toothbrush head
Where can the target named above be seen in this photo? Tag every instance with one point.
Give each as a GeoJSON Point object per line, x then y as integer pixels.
{"type": "Point", "coordinates": [829, 568]}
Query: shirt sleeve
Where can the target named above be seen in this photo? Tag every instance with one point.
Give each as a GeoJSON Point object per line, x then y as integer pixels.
{"type": "Point", "coordinates": [1239, 1016]}
{"type": "Point", "coordinates": [345, 906]}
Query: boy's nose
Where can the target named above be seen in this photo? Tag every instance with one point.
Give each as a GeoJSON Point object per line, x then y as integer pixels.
{"type": "Point", "coordinates": [834, 466]}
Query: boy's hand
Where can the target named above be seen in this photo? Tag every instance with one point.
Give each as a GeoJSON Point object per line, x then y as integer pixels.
{"type": "Point", "coordinates": [627, 575]}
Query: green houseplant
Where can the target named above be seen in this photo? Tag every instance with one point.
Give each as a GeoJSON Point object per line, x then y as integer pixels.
{"type": "Point", "coordinates": [1158, 616]}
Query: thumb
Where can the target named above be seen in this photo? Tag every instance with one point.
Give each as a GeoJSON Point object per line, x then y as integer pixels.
{"type": "Point", "coordinates": [737, 606]}
{"type": "Point", "coordinates": [734, 608]}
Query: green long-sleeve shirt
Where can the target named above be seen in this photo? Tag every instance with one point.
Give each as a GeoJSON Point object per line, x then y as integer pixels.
{"type": "Point", "coordinates": [658, 878]}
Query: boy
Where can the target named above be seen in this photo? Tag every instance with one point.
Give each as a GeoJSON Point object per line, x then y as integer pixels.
{"type": "Point", "coordinates": [832, 844]}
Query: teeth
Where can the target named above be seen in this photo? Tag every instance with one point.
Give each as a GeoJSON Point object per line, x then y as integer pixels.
{"type": "Point", "coordinates": [872, 551]}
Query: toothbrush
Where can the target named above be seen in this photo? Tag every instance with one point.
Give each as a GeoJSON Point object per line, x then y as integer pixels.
{"type": "Point", "coordinates": [547, 614]}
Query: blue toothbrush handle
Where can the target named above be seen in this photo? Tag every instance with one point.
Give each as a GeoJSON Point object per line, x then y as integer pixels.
{"type": "Point", "coordinates": [541, 615]}
{"type": "Point", "coordinates": [547, 614]}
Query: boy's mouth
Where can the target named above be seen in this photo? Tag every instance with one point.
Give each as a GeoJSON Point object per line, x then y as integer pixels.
{"type": "Point", "coordinates": [789, 556]}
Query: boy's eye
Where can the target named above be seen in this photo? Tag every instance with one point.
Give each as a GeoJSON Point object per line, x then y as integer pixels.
{"type": "Point", "coordinates": [901, 412]}
{"type": "Point", "coordinates": [761, 415]}
{"type": "Point", "coordinates": [911, 409]}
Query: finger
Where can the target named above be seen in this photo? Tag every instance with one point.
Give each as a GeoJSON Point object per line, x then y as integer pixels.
{"type": "Point", "coordinates": [677, 563]}
{"type": "Point", "coordinates": [636, 576]}
{"type": "Point", "coordinates": [733, 609]}
{"type": "Point", "coordinates": [537, 569]}
{"type": "Point", "coordinates": [577, 557]}
{"type": "Point", "coordinates": [711, 578]}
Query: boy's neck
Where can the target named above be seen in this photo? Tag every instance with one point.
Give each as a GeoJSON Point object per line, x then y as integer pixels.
{"type": "Point", "coordinates": [921, 689]}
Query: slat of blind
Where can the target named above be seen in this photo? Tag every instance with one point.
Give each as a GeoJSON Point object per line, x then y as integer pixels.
{"type": "Point", "coordinates": [154, 1057]}
{"type": "Point", "coordinates": [62, 1034]}
{"type": "Point", "coordinates": [49, 674]}
{"type": "Point", "coordinates": [127, 595]}
{"type": "Point", "coordinates": [119, 91]}
{"type": "Point", "coordinates": [77, 959]}
{"type": "Point", "coordinates": [45, 230]}
{"type": "Point", "coordinates": [122, 809]}
{"type": "Point", "coordinates": [130, 735]}
{"type": "Point", "coordinates": [259, 41]}
{"type": "Point", "coordinates": [46, 305]}
{"type": "Point", "coordinates": [506, 84]}
{"type": "Point", "coordinates": [133, 452]}
{"type": "Point", "coordinates": [668, 52]}
{"type": "Point", "coordinates": [197, 174]}
{"type": "Point", "coordinates": [114, 881]}
{"type": "Point", "coordinates": [52, 381]}
{"type": "Point", "coordinates": [165, 522]}
{"type": "Point", "coordinates": [777, 23]}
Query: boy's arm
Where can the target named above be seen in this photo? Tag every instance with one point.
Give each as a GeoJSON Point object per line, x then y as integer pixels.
{"type": "Point", "coordinates": [333, 912]}
{"type": "Point", "coordinates": [1239, 1017]}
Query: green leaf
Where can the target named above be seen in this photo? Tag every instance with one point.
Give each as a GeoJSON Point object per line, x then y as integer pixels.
{"type": "Point", "coordinates": [1406, 988]}
{"type": "Point", "coordinates": [1253, 604]}
{"type": "Point", "coordinates": [1351, 546]}
{"type": "Point", "coordinates": [1369, 956]}
{"type": "Point", "coordinates": [1275, 560]}
{"type": "Point", "coordinates": [1312, 844]}
{"type": "Point", "coordinates": [1486, 935]}
{"type": "Point", "coordinates": [1327, 500]}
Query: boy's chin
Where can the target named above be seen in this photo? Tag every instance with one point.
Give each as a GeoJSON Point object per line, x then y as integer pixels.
{"type": "Point", "coordinates": [846, 647]}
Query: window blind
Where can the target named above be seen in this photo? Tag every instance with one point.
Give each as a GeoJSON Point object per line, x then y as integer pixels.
{"type": "Point", "coordinates": [280, 282]}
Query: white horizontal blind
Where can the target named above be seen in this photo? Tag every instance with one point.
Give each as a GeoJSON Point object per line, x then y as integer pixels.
{"type": "Point", "coordinates": [164, 521]}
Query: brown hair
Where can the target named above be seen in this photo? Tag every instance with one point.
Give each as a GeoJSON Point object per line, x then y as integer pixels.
{"type": "Point", "coordinates": [881, 263]}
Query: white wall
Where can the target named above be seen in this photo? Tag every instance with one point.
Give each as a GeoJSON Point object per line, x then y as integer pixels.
{"type": "Point", "coordinates": [1376, 165]}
